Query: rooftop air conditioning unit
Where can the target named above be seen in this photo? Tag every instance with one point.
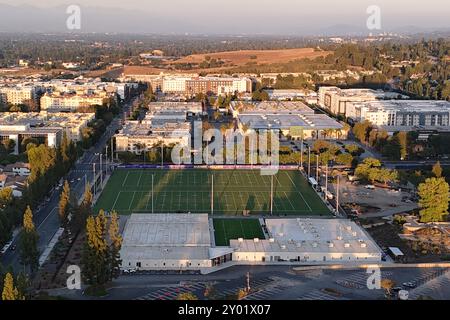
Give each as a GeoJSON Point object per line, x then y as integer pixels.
{"type": "Point", "coordinates": [346, 245]}
{"type": "Point", "coordinates": [272, 240]}
{"type": "Point", "coordinates": [283, 247]}
{"type": "Point", "coordinates": [241, 240]}
{"type": "Point", "coordinates": [314, 244]}
{"type": "Point", "coordinates": [256, 240]}
{"type": "Point", "coordinates": [331, 245]}
{"type": "Point", "coordinates": [363, 245]}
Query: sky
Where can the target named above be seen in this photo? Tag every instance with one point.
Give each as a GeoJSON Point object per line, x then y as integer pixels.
{"type": "Point", "coordinates": [249, 16]}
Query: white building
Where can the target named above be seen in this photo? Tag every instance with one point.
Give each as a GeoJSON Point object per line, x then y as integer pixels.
{"type": "Point", "coordinates": [166, 242]}
{"type": "Point", "coordinates": [292, 118]}
{"type": "Point", "coordinates": [180, 242]}
{"type": "Point", "coordinates": [16, 95]}
{"type": "Point", "coordinates": [304, 241]}
{"type": "Point", "coordinates": [403, 115]}
{"type": "Point", "coordinates": [174, 84]}
{"type": "Point", "coordinates": [337, 100]}
{"type": "Point", "coordinates": [58, 101]}
{"type": "Point", "coordinates": [48, 128]}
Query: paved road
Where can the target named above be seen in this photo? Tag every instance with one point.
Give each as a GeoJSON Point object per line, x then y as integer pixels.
{"type": "Point", "coordinates": [46, 219]}
{"type": "Point", "coordinates": [267, 282]}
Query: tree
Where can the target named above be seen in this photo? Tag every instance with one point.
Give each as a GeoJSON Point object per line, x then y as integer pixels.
{"type": "Point", "coordinates": [361, 130]}
{"type": "Point", "coordinates": [437, 170]}
{"type": "Point", "coordinates": [433, 200]}
{"type": "Point", "coordinates": [363, 169]}
{"type": "Point", "coordinates": [344, 159]}
{"type": "Point", "coordinates": [95, 253]}
{"type": "Point", "coordinates": [115, 246]}
{"type": "Point", "coordinates": [64, 205]}
{"type": "Point", "coordinates": [29, 254]}
{"type": "Point", "coordinates": [187, 296]}
{"type": "Point", "coordinates": [84, 210]}
{"type": "Point", "coordinates": [10, 292]}
{"type": "Point", "coordinates": [387, 285]}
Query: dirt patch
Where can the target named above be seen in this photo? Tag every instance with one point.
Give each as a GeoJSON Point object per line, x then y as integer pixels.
{"type": "Point", "coordinates": [240, 58]}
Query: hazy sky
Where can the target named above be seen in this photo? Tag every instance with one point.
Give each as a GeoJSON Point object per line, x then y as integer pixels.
{"type": "Point", "coordinates": [267, 15]}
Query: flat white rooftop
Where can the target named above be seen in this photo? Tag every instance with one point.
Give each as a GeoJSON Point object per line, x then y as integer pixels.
{"type": "Point", "coordinates": [311, 236]}
{"type": "Point", "coordinates": [166, 237]}
{"type": "Point", "coordinates": [178, 230]}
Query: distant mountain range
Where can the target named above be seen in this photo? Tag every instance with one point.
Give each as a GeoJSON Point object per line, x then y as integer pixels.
{"type": "Point", "coordinates": [27, 18]}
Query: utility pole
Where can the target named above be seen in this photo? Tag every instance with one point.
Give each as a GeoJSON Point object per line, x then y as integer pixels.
{"type": "Point", "coordinates": [248, 282]}
{"type": "Point", "coordinates": [162, 155]}
{"type": "Point", "coordinates": [301, 154]}
{"type": "Point", "coordinates": [309, 161]}
{"type": "Point", "coordinates": [101, 170]}
{"type": "Point", "coordinates": [212, 194]}
{"type": "Point", "coordinates": [317, 169]}
{"type": "Point", "coordinates": [337, 196]}
{"type": "Point", "coordinates": [95, 180]}
{"type": "Point", "coordinates": [112, 149]}
{"type": "Point", "coordinates": [153, 176]}
{"type": "Point", "coordinates": [271, 195]}
{"type": "Point", "coordinates": [326, 180]}
{"type": "Point", "coordinates": [106, 158]}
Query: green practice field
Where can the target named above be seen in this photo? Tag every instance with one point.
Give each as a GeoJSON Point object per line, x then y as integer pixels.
{"type": "Point", "coordinates": [182, 191]}
{"type": "Point", "coordinates": [227, 229]}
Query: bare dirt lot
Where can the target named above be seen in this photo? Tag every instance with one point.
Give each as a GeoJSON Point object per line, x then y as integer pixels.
{"type": "Point", "coordinates": [378, 202]}
{"type": "Point", "coordinates": [239, 58]}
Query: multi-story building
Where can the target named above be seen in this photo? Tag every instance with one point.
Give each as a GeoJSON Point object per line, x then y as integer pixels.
{"type": "Point", "coordinates": [192, 84]}
{"type": "Point", "coordinates": [291, 118]}
{"type": "Point", "coordinates": [16, 95]}
{"type": "Point", "coordinates": [337, 100]}
{"type": "Point", "coordinates": [58, 101]}
{"type": "Point", "coordinates": [45, 127]}
{"type": "Point", "coordinates": [405, 115]}
{"type": "Point", "coordinates": [166, 122]}
{"type": "Point", "coordinates": [218, 86]}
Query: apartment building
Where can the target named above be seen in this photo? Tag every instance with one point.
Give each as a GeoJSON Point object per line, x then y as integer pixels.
{"type": "Point", "coordinates": [16, 95]}
{"type": "Point", "coordinates": [59, 101]}
{"type": "Point", "coordinates": [218, 86]}
{"type": "Point", "coordinates": [337, 100]}
{"type": "Point", "coordinates": [405, 115]}
{"type": "Point", "coordinates": [47, 128]}
{"type": "Point", "coordinates": [165, 122]}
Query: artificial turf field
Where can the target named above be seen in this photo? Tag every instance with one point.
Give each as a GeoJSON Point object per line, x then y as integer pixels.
{"type": "Point", "coordinates": [227, 229]}
{"type": "Point", "coordinates": [182, 191]}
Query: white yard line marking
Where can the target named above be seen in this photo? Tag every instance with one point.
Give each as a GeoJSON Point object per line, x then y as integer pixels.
{"type": "Point", "coordinates": [125, 180]}
{"type": "Point", "coordinates": [285, 194]}
{"type": "Point", "coordinates": [132, 199]}
{"type": "Point", "coordinates": [115, 202]}
{"type": "Point", "coordinates": [139, 180]}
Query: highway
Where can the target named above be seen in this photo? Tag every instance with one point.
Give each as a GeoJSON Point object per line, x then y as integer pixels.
{"type": "Point", "coordinates": [46, 219]}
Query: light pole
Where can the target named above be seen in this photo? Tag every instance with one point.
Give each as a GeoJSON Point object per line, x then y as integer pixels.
{"type": "Point", "coordinates": [301, 154]}
{"type": "Point", "coordinates": [309, 162]}
{"type": "Point", "coordinates": [95, 180]}
{"type": "Point", "coordinates": [317, 168]}
{"type": "Point", "coordinates": [326, 180]}
{"type": "Point", "coordinates": [337, 196]}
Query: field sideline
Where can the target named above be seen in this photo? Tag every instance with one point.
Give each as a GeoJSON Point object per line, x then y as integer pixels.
{"type": "Point", "coordinates": [175, 191]}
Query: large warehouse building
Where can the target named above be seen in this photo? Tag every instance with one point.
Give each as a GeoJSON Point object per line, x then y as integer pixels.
{"type": "Point", "coordinates": [186, 242]}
